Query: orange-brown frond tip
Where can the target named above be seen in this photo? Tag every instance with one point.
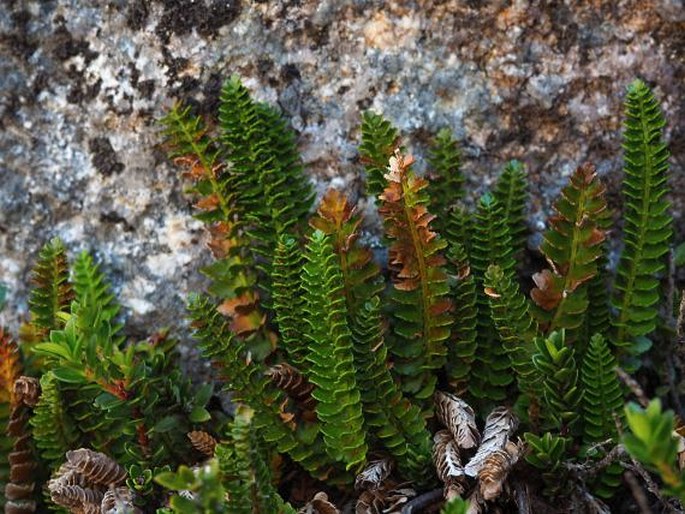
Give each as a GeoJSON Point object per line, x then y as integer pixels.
{"type": "Point", "coordinates": [492, 293]}
{"type": "Point", "coordinates": [334, 207]}
{"type": "Point", "coordinates": [202, 442]}
{"type": "Point", "coordinates": [27, 391]}
{"type": "Point", "coordinates": [398, 166]}
{"type": "Point", "coordinates": [208, 203]}
{"type": "Point", "coordinates": [586, 173]}
{"type": "Point", "coordinates": [493, 474]}
{"type": "Point", "coordinates": [547, 294]}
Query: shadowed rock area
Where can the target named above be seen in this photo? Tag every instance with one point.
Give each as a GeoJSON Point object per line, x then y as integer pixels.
{"type": "Point", "coordinates": [82, 84]}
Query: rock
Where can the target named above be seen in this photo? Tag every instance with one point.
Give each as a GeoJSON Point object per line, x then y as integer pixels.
{"type": "Point", "coordinates": [83, 83]}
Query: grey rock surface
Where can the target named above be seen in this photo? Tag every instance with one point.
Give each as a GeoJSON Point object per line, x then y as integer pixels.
{"type": "Point", "coordinates": [82, 83]}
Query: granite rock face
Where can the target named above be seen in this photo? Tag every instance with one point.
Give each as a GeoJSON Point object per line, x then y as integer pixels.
{"type": "Point", "coordinates": [82, 83]}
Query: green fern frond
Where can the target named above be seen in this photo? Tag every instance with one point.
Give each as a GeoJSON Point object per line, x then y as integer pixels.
{"type": "Point", "coordinates": [245, 474]}
{"type": "Point", "coordinates": [516, 326]}
{"type": "Point", "coordinates": [456, 506]}
{"type": "Point", "coordinates": [420, 294]}
{"type": "Point", "coordinates": [92, 288]}
{"type": "Point", "coordinates": [330, 355]}
{"type": "Point", "coordinates": [392, 418]}
{"type": "Point", "coordinates": [461, 347]}
{"type": "Point", "coordinates": [648, 225]}
{"type": "Point", "coordinates": [458, 228]}
{"type": "Point", "coordinates": [446, 185]}
{"type": "Point", "coordinates": [271, 193]}
{"type": "Point", "coordinates": [561, 392]}
{"type": "Point", "coordinates": [379, 141]}
{"type": "Point", "coordinates": [572, 246]}
{"type": "Point", "coordinates": [246, 379]}
{"type": "Point", "coordinates": [53, 430]}
{"type": "Point", "coordinates": [602, 396]}
{"type": "Point", "coordinates": [511, 190]}
{"type": "Point", "coordinates": [52, 292]}
{"type": "Point", "coordinates": [287, 299]}
{"type": "Point", "coordinates": [490, 244]}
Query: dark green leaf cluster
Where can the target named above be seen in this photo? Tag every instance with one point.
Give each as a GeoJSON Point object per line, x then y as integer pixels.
{"type": "Point", "coordinates": [511, 191]}
{"type": "Point", "coordinates": [446, 184]}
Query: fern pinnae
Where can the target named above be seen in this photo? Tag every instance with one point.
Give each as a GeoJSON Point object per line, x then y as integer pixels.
{"type": "Point", "coordinates": [379, 142]}
{"type": "Point", "coordinates": [52, 292]}
{"type": "Point", "coordinates": [510, 190]}
{"type": "Point", "coordinates": [392, 418]}
{"type": "Point", "coordinates": [446, 185]}
{"type": "Point", "coordinates": [420, 293]}
{"type": "Point", "coordinates": [287, 300]}
{"type": "Point", "coordinates": [491, 243]}
{"type": "Point", "coordinates": [461, 348]}
{"type": "Point", "coordinates": [572, 246]}
{"type": "Point", "coordinates": [330, 355]}
{"type": "Point", "coordinates": [648, 225]}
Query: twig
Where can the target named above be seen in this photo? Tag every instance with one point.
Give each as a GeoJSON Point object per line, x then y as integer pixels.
{"type": "Point", "coordinates": [421, 502]}
{"type": "Point", "coordinates": [632, 384]}
{"type": "Point", "coordinates": [652, 487]}
{"type": "Point", "coordinates": [638, 493]}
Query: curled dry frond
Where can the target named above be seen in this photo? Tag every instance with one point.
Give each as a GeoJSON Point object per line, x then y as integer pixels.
{"type": "Point", "coordinates": [448, 464]}
{"type": "Point", "coordinates": [293, 383]}
{"type": "Point", "coordinates": [319, 505]}
{"type": "Point", "coordinates": [97, 467]}
{"type": "Point", "coordinates": [459, 418]}
{"type": "Point", "coordinates": [373, 475]}
{"type": "Point", "coordinates": [493, 474]}
{"type": "Point", "coordinates": [10, 367]}
{"type": "Point", "coordinates": [202, 442]}
{"type": "Point", "coordinates": [27, 391]}
{"type": "Point", "coordinates": [499, 426]}
{"type": "Point", "coordinates": [119, 500]}
{"type": "Point", "coordinates": [383, 501]}
{"type": "Point", "coordinates": [74, 497]}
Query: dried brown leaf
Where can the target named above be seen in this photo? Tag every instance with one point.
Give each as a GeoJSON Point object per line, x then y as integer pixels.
{"type": "Point", "coordinates": [499, 426]}
{"type": "Point", "coordinates": [373, 475]}
{"type": "Point", "coordinates": [448, 464]}
{"type": "Point", "coordinates": [202, 442]}
{"type": "Point", "coordinates": [293, 383]}
{"type": "Point", "coordinates": [27, 391]}
{"type": "Point", "coordinates": [319, 505]}
{"type": "Point", "coordinates": [97, 467]}
{"type": "Point", "coordinates": [493, 474]}
{"type": "Point", "coordinates": [119, 500]}
{"type": "Point", "coordinates": [458, 417]}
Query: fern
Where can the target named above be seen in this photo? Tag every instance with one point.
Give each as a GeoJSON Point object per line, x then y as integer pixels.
{"type": "Point", "coordinates": [602, 397]}
{"type": "Point", "coordinates": [458, 227]}
{"type": "Point", "coordinates": [393, 419]}
{"type": "Point", "coordinates": [271, 193]}
{"type": "Point", "coordinates": [288, 302]}
{"type": "Point", "coordinates": [52, 292]}
{"type": "Point", "coordinates": [491, 243]}
{"type": "Point", "coordinates": [572, 245]}
{"type": "Point", "coordinates": [53, 430]}
{"type": "Point", "coordinates": [245, 474]}
{"type": "Point", "coordinates": [246, 379]}
{"type": "Point", "coordinates": [91, 287]}
{"type": "Point", "coordinates": [446, 185]}
{"type": "Point", "coordinates": [330, 355]}
{"type": "Point", "coordinates": [647, 229]}
{"type": "Point", "coordinates": [461, 348]}
{"type": "Point", "coordinates": [555, 362]}
{"type": "Point", "coordinates": [516, 327]}
{"type": "Point", "coordinates": [379, 141]}
{"type": "Point", "coordinates": [510, 191]}
{"type": "Point", "coordinates": [360, 274]}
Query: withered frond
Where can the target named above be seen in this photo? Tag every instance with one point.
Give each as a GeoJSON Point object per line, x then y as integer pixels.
{"type": "Point", "coordinates": [448, 464]}
{"type": "Point", "coordinates": [499, 427]}
{"type": "Point", "coordinates": [293, 383]}
{"type": "Point", "coordinates": [202, 442]}
{"type": "Point", "coordinates": [97, 467]}
{"type": "Point", "coordinates": [458, 417]}
{"type": "Point", "coordinates": [373, 475]}
{"type": "Point", "coordinates": [496, 467]}
{"type": "Point", "coordinates": [319, 505]}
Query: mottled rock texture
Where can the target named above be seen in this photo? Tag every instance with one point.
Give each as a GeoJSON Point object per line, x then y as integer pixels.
{"type": "Point", "coordinates": [82, 83]}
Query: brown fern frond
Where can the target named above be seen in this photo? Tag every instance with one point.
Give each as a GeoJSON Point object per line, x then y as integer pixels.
{"type": "Point", "coordinates": [458, 417]}
{"type": "Point", "coordinates": [499, 427]}
{"type": "Point", "coordinates": [202, 442]}
{"type": "Point", "coordinates": [10, 367]}
{"type": "Point", "coordinates": [493, 474]}
{"type": "Point", "coordinates": [293, 383]}
{"type": "Point", "coordinates": [448, 464]}
{"type": "Point", "coordinates": [373, 475]}
{"type": "Point", "coordinates": [385, 500]}
{"type": "Point", "coordinates": [120, 499]}
{"type": "Point", "coordinates": [96, 467]}
{"type": "Point", "coordinates": [75, 497]}
{"type": "Point", "coordinates": [319, 505]}
{"type": "Point", "coordinates": [27, 390]}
